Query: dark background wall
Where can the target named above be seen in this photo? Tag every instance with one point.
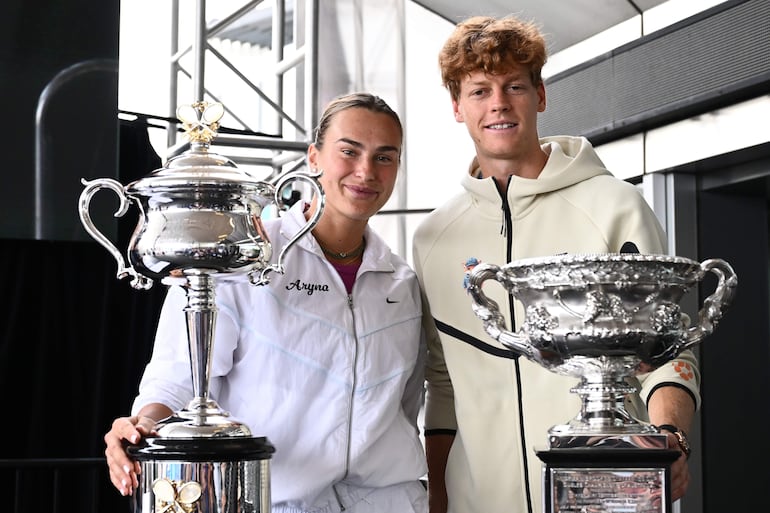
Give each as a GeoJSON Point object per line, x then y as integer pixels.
{"type": "Point", "coordinates": [74, 46]}
{"type": "Point", "coordinates": [733, 225]}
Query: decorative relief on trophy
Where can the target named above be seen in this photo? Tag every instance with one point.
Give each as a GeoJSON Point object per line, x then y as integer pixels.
{"type": "Point", "coordinates": [176, 496]}
{"type": "Point", "coordinates": [200, 120]}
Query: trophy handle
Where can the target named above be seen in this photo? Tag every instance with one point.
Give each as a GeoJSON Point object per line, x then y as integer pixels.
{"type": "Point", "coordinates": [311, 179]}
{"type": "Point", "coordinates": [489, 312]}
{"type": "Point", "coordinates": [138, 281]}
{"type": "Point", "coordinates": [715, 304]}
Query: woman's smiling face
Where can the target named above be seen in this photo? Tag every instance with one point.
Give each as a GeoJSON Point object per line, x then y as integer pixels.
{"type": "Point", "coordinates": [359, 157]}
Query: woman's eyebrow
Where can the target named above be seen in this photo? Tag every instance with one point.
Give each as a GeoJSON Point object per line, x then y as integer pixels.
{"type": "Point", "coordinates": [359, 145]}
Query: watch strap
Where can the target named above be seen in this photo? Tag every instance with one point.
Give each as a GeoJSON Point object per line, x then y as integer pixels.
{"type": "Point", "coordinates": [681, 437]}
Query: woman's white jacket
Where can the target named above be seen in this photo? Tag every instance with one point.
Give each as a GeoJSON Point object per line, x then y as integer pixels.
{"type": "Point", "coordinates": [334, 381]}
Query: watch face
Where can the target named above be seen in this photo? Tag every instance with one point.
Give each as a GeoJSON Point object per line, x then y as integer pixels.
{"type": "Point", "coordinates": [684, 444]}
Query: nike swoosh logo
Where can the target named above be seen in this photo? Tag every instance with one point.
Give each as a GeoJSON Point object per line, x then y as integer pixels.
{"type": "Point", "coordinates": [388, 300]}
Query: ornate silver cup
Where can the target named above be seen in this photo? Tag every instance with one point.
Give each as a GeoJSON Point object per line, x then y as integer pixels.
{"type": "Point", "coordinates": [602, 318]}
{"type": "Point", "coordinates": [200, 225]}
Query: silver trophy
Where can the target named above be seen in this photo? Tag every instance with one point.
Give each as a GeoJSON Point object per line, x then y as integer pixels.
{"type": "Point", "coordinates": [200, 226]}
{"type": "Point", "coordinates": [603, 318]}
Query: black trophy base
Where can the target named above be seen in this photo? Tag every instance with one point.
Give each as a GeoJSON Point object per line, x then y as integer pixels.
{"type": "Point", "coordinates": [203, 475]}
{"type": "Point", "coordinates": [607, 480]}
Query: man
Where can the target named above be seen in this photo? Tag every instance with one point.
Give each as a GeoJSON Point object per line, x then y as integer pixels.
{"type": "Point", "coordinates": [523, 197]}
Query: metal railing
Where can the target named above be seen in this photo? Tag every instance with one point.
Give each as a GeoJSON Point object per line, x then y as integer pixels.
{"type": "Point", "coordinates": [58, 485]}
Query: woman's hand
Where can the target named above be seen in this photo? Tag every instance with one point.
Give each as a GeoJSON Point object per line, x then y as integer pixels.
{"type": "Point", "coordinates": [124, 472]}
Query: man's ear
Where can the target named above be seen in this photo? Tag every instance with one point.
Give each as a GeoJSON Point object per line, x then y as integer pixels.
{"type": "Point", "coordinates": [456, 111]}
{"type": "Point", "coordinates": [541, 97]}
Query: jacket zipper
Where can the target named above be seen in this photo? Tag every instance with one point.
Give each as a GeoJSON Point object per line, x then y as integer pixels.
{"type": "Point", "coordinates": [507, 225]}
{"type": "Point", "coordinates": [350, 404]}
{"type": "Point", "coordinates": [339, 500]}
{"type": "Point", "coordinates": [507, 231]}
{"type": "Point", "coordinates": [354, 383]}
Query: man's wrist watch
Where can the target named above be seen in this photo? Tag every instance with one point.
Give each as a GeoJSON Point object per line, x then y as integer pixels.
{"type": "Point", "coordinates": [681, 438]}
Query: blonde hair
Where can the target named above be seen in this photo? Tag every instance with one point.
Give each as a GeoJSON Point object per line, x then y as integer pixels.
{"type": "Point", "coordinates": [349, 101]}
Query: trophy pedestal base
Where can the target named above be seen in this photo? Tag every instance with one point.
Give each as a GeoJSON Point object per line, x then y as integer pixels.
{"type": "Point", "coordinates": [204, 475]}
{"type": "Point", "coordinates": [607, 480]}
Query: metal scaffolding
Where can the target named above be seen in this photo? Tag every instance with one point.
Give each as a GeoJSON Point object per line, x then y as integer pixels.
{"type": "Point", "coordinates": [287, 147]}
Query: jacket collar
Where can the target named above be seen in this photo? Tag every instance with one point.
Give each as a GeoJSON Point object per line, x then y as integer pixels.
{"type": "Point", "coordinates": [570, 160]}
{"type": "Point", "coordinates": [377, 255]}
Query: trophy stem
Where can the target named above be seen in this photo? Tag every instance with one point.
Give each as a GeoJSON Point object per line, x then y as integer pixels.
{"type": "Point", "coordinates": [201, 315]}
{"type": "Point", "coordinates": [603, 403]}
{"type": "Point", "coordinates": [603, 389]}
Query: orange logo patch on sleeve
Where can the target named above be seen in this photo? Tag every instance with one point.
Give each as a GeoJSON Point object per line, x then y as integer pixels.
{"type": "Point", "coordinates": [684, 370]}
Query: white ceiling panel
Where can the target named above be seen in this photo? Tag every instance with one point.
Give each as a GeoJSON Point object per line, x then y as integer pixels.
{"type": "Point", "coordinates": [563, 22]}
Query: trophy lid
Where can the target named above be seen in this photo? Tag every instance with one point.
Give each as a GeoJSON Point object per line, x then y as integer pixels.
{"type": "Point", "coordinates": [198, 167]}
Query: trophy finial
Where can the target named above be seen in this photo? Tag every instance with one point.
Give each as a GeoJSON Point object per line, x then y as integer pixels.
{"type": "Point", "coordinates": [200, 120]}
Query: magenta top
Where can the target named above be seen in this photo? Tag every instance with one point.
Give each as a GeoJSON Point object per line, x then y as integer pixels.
{"type": "Point", "coordinates": [348, 273]}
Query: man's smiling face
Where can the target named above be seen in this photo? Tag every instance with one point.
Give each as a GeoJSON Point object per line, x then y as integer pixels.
{"type": "Point", "coordinates": [500, 113]}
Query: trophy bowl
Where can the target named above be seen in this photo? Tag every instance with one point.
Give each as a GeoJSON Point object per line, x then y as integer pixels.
{"type": "Point", "coordinates": [599, 317]}
{"type": "Point", "coordinates": [198, 212]}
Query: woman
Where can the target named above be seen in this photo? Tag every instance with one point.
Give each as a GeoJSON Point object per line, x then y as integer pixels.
{"type": "Point", "coordinates": [326, 360]}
